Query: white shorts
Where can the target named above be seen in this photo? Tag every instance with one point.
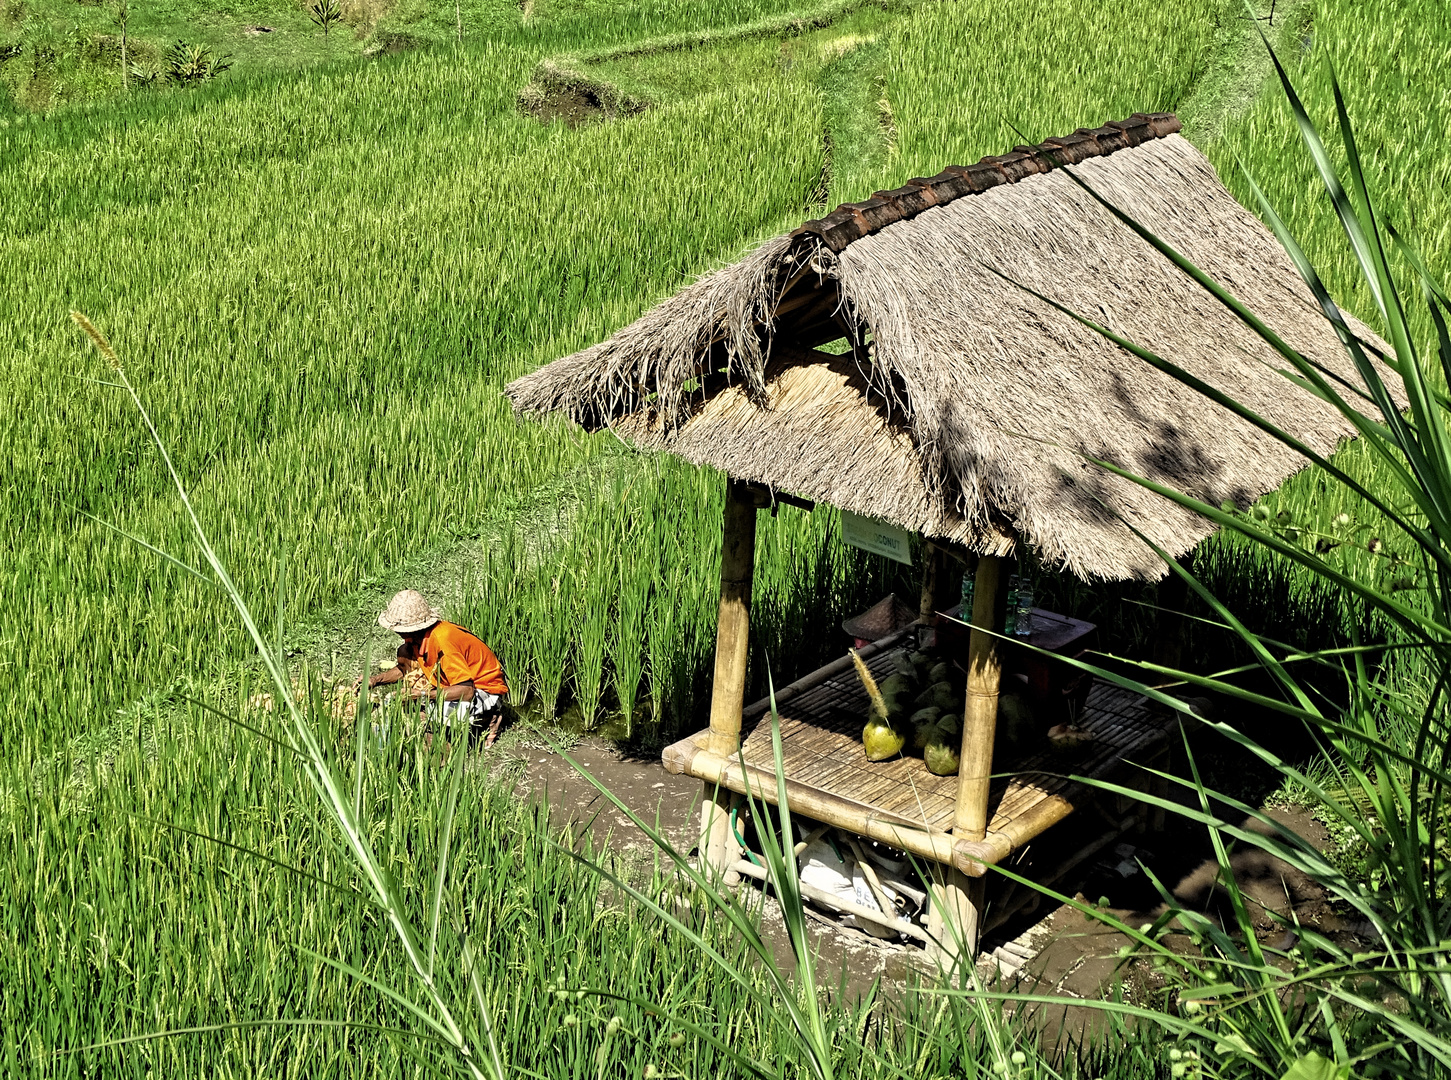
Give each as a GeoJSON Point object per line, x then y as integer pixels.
{"type": "Point", "coordinates": [472, 711]}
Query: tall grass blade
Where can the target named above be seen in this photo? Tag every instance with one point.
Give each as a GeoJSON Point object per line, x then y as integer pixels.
{"type": "Point", "coordinates": [445, 831]}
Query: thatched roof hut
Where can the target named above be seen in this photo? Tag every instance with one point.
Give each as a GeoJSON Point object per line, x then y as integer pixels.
{"type": "Point", "coordinates": [964, 407]}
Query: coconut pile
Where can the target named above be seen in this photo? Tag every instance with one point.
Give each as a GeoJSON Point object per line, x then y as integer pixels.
{"type": "Point", "coordinates": [917, 709]}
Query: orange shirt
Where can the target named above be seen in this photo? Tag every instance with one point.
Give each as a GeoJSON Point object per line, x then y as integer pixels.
{"type": "Point", "coordinates": [450, 655]}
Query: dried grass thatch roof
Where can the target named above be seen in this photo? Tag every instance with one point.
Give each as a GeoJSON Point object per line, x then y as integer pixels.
{"type": "Point", "coordinates": [966, 406]}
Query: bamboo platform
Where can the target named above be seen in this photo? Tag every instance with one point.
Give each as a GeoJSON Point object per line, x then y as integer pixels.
{"type": "Point", "coordinates": [899, 802]}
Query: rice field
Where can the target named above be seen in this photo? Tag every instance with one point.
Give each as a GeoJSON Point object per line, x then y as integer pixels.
{"type": "Point", "coordinates": [321, 291]}
{"type": "Point", "coordinates": [320, 281]}
{"type": "Point", "coordinates": [322, 324]}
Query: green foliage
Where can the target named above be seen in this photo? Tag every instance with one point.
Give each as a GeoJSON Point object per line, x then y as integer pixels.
{"type": "Point", "coordinates": [325, 279]}
{"type": "Point", "coordinates": [1315, 1066]}
{"type": "Point", "coordinates": [184, 215]}
{"type": "Point", "coordinates": [342, 406]}
{"type": "Point", "coordinates": [188, 64]}
{"type": "Point", "coordinates": [325, 13]}
{"type": "Point", "coordinates": [1395, 108]}
{"type": "Point", "coordinates": [415, 968]}
{"type": "Point", "coordinates": [974, 79]}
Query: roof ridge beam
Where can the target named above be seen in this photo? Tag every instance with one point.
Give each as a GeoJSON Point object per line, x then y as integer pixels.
{"type": "Point", "coordinates": [852, 221]}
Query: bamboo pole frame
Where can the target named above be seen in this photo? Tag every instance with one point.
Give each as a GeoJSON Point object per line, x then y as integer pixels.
{"type": "Point", "coordinates": [955, 919]}
{"type": "Point", "coordinates": [808, 802]}
{"type": "Point", "coordinates": [959, 859]}
{"type": "Point", "coordinates": [732, 652]}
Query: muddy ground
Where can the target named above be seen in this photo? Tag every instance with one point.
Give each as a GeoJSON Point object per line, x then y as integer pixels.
{"type": "Point", "coordinates": [1052, 948]}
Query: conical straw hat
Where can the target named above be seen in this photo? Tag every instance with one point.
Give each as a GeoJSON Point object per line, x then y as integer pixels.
{"type": "Point", "coordinates": [407, 612]}
{"type": "Point", "coordinates": [885, 617]}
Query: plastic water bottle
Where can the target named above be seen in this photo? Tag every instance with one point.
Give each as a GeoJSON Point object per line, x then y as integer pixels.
{"type": "Point", "coordinates": [969, 587]}
{"type": "Point", "coordinates": [1024, 623]}
{"type": "Point", "coordinates": [1011, 629]}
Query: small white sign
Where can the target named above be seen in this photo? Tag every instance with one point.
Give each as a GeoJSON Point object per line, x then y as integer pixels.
{"type": "Point", "coordinates": [875, 536]}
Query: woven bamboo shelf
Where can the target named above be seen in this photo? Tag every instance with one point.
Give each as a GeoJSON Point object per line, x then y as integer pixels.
{"type": "Point", "coordinates": [899, 802]}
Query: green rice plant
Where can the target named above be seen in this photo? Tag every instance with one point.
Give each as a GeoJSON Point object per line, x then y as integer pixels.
{"type": "Point", "coordinates": [663, 648]}
{"type": "Point", "coordinates": [804, 1016]}
{"type": "Point", "coordinates": [210, 817]}
{"type": "Point", "coordinates": [968, 80]}
{"type": "Point", "coordinates": [367, 450]}
{"type": "Point", "coordinates": [627, 647]}
{"type": "Point", "coordinates": [627, 656]}
{"type": "Point", "coordinates": [592, 614]}
{"type": "Point", "coordinates": [552, 624]}
{"type": "Point", "coordinates": [306, 429]}
{"type": "Point", "coordinates": [341, 407]}
{"type": "Point", "coordinates": [1395, 112]}
{"type": "Point", "coordinates": [344, 810]}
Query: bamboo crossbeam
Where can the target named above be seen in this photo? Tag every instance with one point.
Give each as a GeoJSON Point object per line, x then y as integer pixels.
{"type": "Point", "coordinates": [973, 857]}
{"type": "Point", "coordinates": [813, 803]}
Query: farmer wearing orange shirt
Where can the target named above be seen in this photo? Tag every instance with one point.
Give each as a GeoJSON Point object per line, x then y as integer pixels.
{"type": "Point", "coordinates": [465, 679]}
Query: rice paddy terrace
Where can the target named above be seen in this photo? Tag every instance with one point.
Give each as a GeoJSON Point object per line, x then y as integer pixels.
{"type": "Point", "coordinates": [320, 268]}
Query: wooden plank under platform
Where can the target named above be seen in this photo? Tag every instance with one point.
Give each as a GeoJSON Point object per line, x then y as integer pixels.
{"type": "Point", "coordinates": [899, 802]}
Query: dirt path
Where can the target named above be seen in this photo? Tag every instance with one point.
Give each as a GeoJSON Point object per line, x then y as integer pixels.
{"type": "Point", "coordinates": [1055, 949]}
{"type": "Point", "coordinates": [849, 959]}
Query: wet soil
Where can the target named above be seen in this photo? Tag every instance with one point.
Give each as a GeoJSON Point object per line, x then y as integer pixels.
{"type": "Point", "coordinates": [570, 104]}
{"type": "Point", "coordinates": [1051, 947]}
{"type": "Point", "coordinates": [849, 960]}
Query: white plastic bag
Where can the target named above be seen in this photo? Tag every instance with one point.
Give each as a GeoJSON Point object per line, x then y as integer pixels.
{"type": "Point", "coordinates": [823, 867]}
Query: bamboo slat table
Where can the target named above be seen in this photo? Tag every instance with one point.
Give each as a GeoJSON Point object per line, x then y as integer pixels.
{"type": "Point", "coordinates": [899, 802]}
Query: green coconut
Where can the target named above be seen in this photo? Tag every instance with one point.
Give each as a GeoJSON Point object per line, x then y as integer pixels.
{"type": "Point", "coordinates": [928, 697]}
{"type": "Point", "coordinates": [899, 687]}
{"type": "Point", "coordinates": [1017, 721]}
{"type": "Point", "coordinates": [919, 659]}
{"type": "Point", "coordinates": [881, 739]}
{"type": "Point", "coordinates": [922, 721]}
{"type": "Point", "coordinates": [901, 665]}
{"type": "Point", "coordinates": [943, 695]}
{"type": "Point", "coordinates": [941, 752]}
{"type": "Point", "coordinates": [929, 715]}
{"type": "Point", "coordinates": [940, 673]}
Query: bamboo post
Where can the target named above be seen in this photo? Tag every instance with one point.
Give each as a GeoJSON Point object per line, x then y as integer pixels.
{"type": "Point", "coordinates": [732, 650]}
{"type": "Point", "coordinates": [954, 915]}
{"type": "Point", "coordinates": [980, 713]}
{"type": "Point", "coordinates": [934, 574]}
{"type": "Point", "coordinates": [958, 899]}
